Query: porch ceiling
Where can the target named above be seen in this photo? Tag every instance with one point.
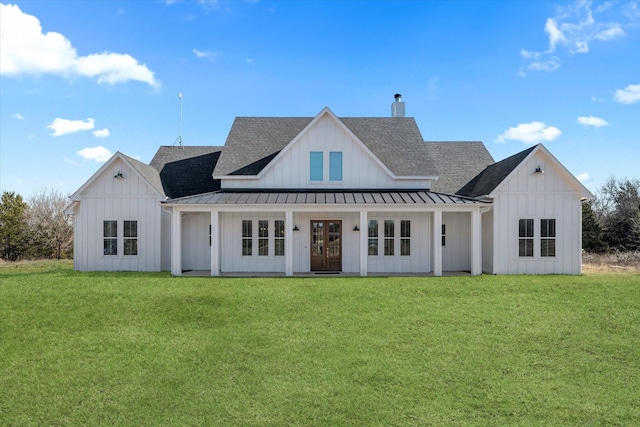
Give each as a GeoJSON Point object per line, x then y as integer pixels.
{"type": "Point", "coordinates": [411, 197]}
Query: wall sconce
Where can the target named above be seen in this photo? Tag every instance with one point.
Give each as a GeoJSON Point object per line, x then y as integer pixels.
{"type": "Point", "coordinates": [355, 228]}
{"type": "Point", "coordinates": [538, 169]}
{"type": "Point", "coordinates": [119, 175]}
{"type": "Point", "coordinates": [295, 228]}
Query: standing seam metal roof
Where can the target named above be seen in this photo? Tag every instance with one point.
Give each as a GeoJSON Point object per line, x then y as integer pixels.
{"type": "Point", "coordinates": [357, 197]}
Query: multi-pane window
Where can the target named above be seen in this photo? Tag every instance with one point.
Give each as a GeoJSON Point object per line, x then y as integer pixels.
{"type": "Point", "coordinates": [373, 237]}
{"type": "Point", "coordinates": [315, 166]}
{"type": "Point", "coordinates": [444, 235]}
{"type": "Point", "coordinates": [110, 236]}
{"type": "Point", "coordinates": [389, 235]}
{"type": "Point", "coordinates": [130, 237]}
{"type": "Point", "coordinates": [263, 237]}
{"type": "Point", "coordinates": [525, 234]}
{"type": "Point", "coordinates": [547, 237]}
{"type": "Point", "coordinates": [278, 231]}
{"type": "Point", "coordinates": [247, 237]}
{"type": "Point", "coordinates": [405, 237]}
{"type": "Point", "coordinates": [335, 166]}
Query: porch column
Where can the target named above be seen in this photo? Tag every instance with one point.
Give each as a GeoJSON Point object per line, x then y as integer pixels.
{"type": "Point", "coordinates": [176, 242]}
{"type": "Point", "coordinates": [476, 243]}
{"type": "Point", "coordinates": [288, 243]}
{"type": "Point", "coordinates": [364, 242]}
{"type": "Point", "coordinates": [437, 244]}
{"type": "Point", "coordinates": [215, 243]}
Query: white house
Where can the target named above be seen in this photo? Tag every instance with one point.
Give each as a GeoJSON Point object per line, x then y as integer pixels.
{"type": "Point", "coordinates": [324, 194]}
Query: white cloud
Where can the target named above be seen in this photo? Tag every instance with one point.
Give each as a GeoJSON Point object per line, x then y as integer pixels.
{"type": "Point", "coordinates": [25, 49]}
{"type": "Point", "coordinates": [17, 116]}
{"type": "Point", "coordinates": [596, 122]}
{"type": "Point", "coordinates": [530, 133]}
{"type": "Point", "coordinates": [574, 27]}
{"type": "Point", "coordinates": [102, 133]}
{"type": "Point", "coordinates": [628, 95]}
{"type": "Point", "coordinates": [63, 126]}
{"type": "Point", "coordinates": [583, 177]}
{"type": "Point", "coordinates": [99, 153]}
{"type": "Point", "coordinates": [206, 55]}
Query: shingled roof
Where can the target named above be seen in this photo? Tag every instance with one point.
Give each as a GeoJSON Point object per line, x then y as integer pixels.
{"type": "Point", "coordinates": [187, 170]}
{"type": "Point", "coordinates": [254, 141]}
{"type": "Point", "coordinates": [487, 180]}
{"type": "Point", "coordinates": [457, 162]}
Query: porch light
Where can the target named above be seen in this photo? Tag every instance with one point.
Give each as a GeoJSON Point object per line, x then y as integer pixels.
{"type": "Point", "coordinates": [539, 169]}
{"type": "Point", "coordinates": [355, 228]}
{"type": "Point", "coordinates": [295, 228]}
{"type": "Point", "coordinates": [118, 175]}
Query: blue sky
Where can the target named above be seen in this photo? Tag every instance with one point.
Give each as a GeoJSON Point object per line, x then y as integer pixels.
{"type": "Point", "coordinates": [82, 80]}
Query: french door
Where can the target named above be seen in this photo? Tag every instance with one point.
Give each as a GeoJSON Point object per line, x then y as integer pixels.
{"type": "Point", "coordinates": [326, 245]}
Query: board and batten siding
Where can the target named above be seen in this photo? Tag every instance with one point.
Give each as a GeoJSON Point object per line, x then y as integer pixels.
{"type": "Point", "coordinates": [419, 261]}
{"type": "Point", "coordinates": [359, 168]}
{"type": "Point", "coordinates": [108, 198]}
{"type": "Point", "coordinates": [549, 195]}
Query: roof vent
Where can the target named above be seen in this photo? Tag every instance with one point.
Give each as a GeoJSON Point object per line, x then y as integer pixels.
{"type": "Point", "coordinates": [397, 108]}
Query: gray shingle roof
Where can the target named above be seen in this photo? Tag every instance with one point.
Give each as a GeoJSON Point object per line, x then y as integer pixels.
{"type": "Point", "coordinates": [149, 173]}
{"type": "Point", "coordinates": [188, 170]}
{"type": "Point", "coordinates": [487, 180]}
{"type": "Point", "coordinates": [457, 162]}
{"type": "Point", "coordinates": [254, 141]}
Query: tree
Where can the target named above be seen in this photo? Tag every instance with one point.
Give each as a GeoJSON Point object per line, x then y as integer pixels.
{"type": "Point", "coordinates": [616, 208]}
{"type": "Point", "coordinates": [50, 230]}
{"type": "Point", "coordinates": [13, 226]}
{"type": "Point", "coordinates": [593, 239]}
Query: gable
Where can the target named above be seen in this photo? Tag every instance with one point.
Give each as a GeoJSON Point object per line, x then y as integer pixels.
{"type": "Point", "coordinates": [541, 172]}
{"type": "Point", "coordinates": [254, 143]}
{"type": "Point", "coordinates": [122, 175]}
{"type": "Point", "coordinates": [532, 170]}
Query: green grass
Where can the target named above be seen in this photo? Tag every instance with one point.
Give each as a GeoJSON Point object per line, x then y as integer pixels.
{"type": "Point", "coordinates": [151, 349]}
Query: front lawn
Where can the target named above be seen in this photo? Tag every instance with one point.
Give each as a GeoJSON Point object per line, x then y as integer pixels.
{"type": "Point", "coordinates": [150, 349]}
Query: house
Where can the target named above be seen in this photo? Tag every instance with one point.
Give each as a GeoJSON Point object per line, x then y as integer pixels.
{"type": "Point", "coordinates": [328, 194]}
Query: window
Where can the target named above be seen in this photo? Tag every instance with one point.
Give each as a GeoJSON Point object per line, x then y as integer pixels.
{"type": "Point", "coordinates": [547, 237]}
{"type": "Point", "coordinates": [263, 237]}
{"type": "Point", "coordinates": [525, 233]}
{"type": "Point", "coordinates": [335, 166]}
{"type": "Point", "coordinates": [388, 237]}
{"type": "Point", "coordinates": [373, 237]}
{"type": "Point", "coordinates": [247, 234]}
{"type": "Point", "coordinates": [405, 238]}
{"type": "Point", "coordinates": [131, 238]}
{"type": "Point", "coordinates": [444, 235]}
{"type": "Point", "coordinates": [278, 231]}
{"type": "Point", "coordinates": [315, 166]}
{"type": "Point", "coordinates": [110, 235]}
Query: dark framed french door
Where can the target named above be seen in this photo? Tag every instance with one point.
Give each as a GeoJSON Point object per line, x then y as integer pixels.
{"type": "Point", "coordinates": [326, 245]}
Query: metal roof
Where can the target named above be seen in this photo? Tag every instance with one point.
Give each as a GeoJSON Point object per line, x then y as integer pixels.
{"type": "Point", "coordinates": [356, 197]}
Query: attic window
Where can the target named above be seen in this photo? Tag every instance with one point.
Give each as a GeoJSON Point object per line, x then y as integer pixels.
{"type": "Point", "coordinates": [315, 166]}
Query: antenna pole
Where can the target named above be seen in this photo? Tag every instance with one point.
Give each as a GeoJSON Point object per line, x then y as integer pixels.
{"type": "Point", "coordinates": [179, 140]}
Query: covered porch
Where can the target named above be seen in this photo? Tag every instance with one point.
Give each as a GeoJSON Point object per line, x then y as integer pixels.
{"type": "Point", "coordinates": [290, 233]}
